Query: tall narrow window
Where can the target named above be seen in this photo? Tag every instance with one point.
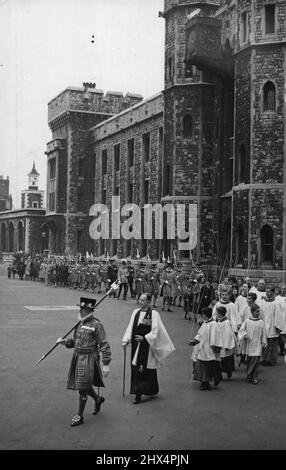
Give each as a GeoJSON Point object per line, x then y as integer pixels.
{"type": "Point", "coordinates": [267, 244]}
{"type": "Point", "coordinates": [130, 152]}
{"type": "Point", "coordinates": [52, 168]}
{"type": "Point", "coordinates": [3, 237]}
{"type": "Point", "coordinates": [187, 126]}
{"type": "Point", "coordinates": [51, 196]}
{"type": "Point", "coordinates": [51, 202]}
{"type": "Point", "coordinates": [116, 157]}
{"type": "Point", "coordinates": [243, 26]}
{"type": "Point", "coordinates": [104, 161]}
{"type": "Point", "coordinates": [92, 165]}
{"type": "Point", "coordinates": [146, 146]}
{"type": "Point", "coordinates": [146, 191]}
{"type": "Point", "coordinates": [129, 197]}
{"type": "Point", "coordinates": [270, 19]}
{"type": "Point", "coordinates": [269, 97]}
{"type": "Point", "coordinates": [170, 68]}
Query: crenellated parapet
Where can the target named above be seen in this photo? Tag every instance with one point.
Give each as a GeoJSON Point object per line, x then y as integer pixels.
{"type": "Point", "coordinates": [144, 110]}
{"type": "Point", "coordinates": [92, 101]}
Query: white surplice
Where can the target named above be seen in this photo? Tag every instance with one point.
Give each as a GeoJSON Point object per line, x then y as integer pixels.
{"type": "Point", "coordinates": [231, 314]}
{"type": "Point", "coordinates": [160, 342]}
{"type": "Point", "coordinates": [252, 337]}
{"type": "Point", "coordinates": [207, 336]}
{"type": "Point", "coordinates": [270, 315]}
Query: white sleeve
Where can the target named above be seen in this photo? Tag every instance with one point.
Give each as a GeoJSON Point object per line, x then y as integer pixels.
{"type": "Point", "coordinates": [128, 333]}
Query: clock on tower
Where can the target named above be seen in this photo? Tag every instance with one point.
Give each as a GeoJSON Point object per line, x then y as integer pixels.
{"type": "Point", "coordinates": [204, 49]}
{"type": "Point", "coordinates": [208, 38]}
{"type": "Point", "coordinates": [33, 178]}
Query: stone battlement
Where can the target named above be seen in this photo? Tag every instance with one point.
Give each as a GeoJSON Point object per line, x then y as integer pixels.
{"type": "Point", "coordinates": [144, 110]}
{"type": "Point", "coordinates": [91, 101]}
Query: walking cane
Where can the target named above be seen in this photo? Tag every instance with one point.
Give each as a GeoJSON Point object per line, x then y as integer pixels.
{"type": "Point", "coordinates": [124, 370]}
{"type": "Point", "coordinates": [114, 287]}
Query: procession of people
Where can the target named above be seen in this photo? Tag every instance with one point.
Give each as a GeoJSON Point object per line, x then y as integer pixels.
{"type": "Point", "coordinates": [234, 323]}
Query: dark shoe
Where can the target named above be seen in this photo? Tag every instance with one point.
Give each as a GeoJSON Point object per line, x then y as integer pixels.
{"type": "Point", "coordinates": [98, 404]}
{"type": "Point", "coordinates": [137, 399]}
{"type": "Point", "coordinates": [77, 420]}
{"type": "Point", "coordinates": [205, 387]}
{"type": "Point", "coordinates": [229, 375]}
{"type": "Point", "coordinates": [169, 310]}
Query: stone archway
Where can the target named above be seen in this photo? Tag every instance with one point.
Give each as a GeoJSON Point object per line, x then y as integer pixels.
{"type": "Point", "coordinates": [3, 237]}
{"type": "Point", "coordinates": [267, 245]}
{"type": "Point", "coordinates": [11, 232]}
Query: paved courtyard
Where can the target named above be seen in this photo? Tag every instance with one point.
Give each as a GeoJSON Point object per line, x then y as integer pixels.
{"type": "Point", "coordinates": [36, 407]}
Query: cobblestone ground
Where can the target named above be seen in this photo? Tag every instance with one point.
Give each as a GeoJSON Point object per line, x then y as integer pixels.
{"type": "Point", "coordinates": [36, 408]}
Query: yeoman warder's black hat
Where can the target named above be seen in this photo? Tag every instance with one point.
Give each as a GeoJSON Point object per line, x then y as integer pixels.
{"type": "Point", "coordinates": [88, 303]}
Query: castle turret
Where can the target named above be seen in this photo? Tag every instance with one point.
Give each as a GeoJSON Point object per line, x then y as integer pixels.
{"type": "Point", "coordinates": [32, 198]}
{"type": "Point", "coordinates": [191, 138]}
{"type": "Point", "coordinates": [259, 194]}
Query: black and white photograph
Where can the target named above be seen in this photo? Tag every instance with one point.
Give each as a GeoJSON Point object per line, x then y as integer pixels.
{"type": "Point", "coordinates": [143, 228]}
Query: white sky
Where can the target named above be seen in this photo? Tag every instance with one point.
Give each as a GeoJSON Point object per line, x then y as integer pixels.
{"type": "Point", "coordinates": [46, 46]}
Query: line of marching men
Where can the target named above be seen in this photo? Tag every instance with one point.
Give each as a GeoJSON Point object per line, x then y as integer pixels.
{"type": "Point", "coordinates": [169, 282]}
{"type": "Point", "coordinates": [252, 327]}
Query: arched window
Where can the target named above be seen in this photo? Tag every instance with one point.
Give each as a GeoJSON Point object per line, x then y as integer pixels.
{"type": "Point", "coordinates": [11, 237]}
{"type": "Point", "coordinates": [241, 165]}
{"type": "Point", "coordinates": [187, 126]}
{"type": "Point", "coordinates": [269, 97]}
{"type": "Point", "coordinates": [267, 244]}
{"type": "Point", "coordinates": [3, 237]}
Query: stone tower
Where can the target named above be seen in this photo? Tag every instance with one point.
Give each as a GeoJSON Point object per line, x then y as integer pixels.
{"type": "Point", "coordinates": [32, 198]}
{"type": "Point", "coordinates": [71, 162]}
{"type": "Point", "coordinates": [259, 192]}
{"type": "Point", "coordinates": [193, 137]}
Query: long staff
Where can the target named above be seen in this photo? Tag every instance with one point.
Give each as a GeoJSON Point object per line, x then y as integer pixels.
{"type": "Point", "coordinates": [114, 287]}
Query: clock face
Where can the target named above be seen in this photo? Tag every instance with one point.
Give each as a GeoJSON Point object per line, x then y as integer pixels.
{"type": "Point", "coordinates": [209, 39]}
